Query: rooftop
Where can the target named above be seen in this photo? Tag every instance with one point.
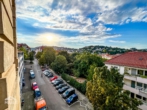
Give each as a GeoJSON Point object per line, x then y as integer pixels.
{"type": "Point", "coordinates": [131, 59]}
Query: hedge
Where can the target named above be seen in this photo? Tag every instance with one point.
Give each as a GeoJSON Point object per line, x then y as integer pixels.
{"type": "Point", "coordinates": [79, 86]}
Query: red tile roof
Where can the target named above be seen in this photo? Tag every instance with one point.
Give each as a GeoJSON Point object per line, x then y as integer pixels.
{"type": "Point", "coordinates": [131, 59]}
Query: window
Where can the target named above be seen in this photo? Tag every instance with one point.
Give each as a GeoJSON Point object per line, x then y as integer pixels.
{"type": "Point", "coordinates": [138, 96]}
{"type": "Point", "coordinates": [144, 98]}
{"type": "Point", "coordinates": [145, 86]}
{"type": "Point", "coordinates": [132, 95]}
{"type": "Point", "coordinates": [145, 73]}
{"type": "Point", "coordinates": [133, 84]}
{"type": "Point", "coordinates": [139, 84]}
{"type": "Point", "coordinates": [140, 72]}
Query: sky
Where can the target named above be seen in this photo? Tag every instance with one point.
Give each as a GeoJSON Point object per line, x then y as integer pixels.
{"type": "Point", "coordinates": [79, 23]}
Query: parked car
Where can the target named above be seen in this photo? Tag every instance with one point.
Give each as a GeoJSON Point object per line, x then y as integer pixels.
{"type": "Point", "coordinates": [73, 98]}
{"type": "Point", "coordinates": [37, 93]}
{"type": "Point", "coordinates": [50, 75]}
{"type": "Point", "coordinates": [32, 75]}
{"type": "Point", "coordinates": [53, 78]}
{"type": "Point", "coordinates": [23, 82]}
{"type": "Point", "coordinates": [31, 71]}
{"type": "Point", "coordinates": [68, 92]}
{"type": "Point", "coordinates": [58, 82]}
{"type": "Point", "coordinates": [46, 73]}
{"type": "Point", "coordinates": [34, 86]}
{"type": "Point", "coordinates": [60, 86]}
{"type": "Point", "coordinates": [43, 68]}
{"type": "Point", "coordinates": [63, 89]}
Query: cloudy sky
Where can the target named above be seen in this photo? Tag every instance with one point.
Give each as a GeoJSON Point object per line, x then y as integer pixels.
{"type": "Point", "coordinates": [79, 23]}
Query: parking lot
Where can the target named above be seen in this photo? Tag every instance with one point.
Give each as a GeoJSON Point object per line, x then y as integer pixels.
{"type": "Point", "coordinates": [53, 98]}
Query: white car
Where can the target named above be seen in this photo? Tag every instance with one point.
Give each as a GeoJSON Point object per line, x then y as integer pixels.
{"type": "Point", "coordinates": [31, 71]}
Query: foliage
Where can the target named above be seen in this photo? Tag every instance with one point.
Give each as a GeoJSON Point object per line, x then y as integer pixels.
{"type": "Point", "coordinates": [25, 52]}
{"type": "Point", "coordinates": [66, 55]}
{"type": "Point", "coordinates": [105, 91]}
{"type": "Point", "coordinates": [38, 55]}
{"type": "Point", "coordinates": [60, 64]}
{"type": "Point", "coordinates": [79, 86]}
{"type": "Point", "coordinates": [31, 56]}
{"type": "Point", "coordinates": [41, 60]}
{"type": "Point", "coordinates": [84, 61]}
{"type": "Point", "coordinates": [48, 55]}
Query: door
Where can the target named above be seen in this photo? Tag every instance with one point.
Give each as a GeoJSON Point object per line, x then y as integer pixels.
{"type": "Point", "coordinates": [133, 84]}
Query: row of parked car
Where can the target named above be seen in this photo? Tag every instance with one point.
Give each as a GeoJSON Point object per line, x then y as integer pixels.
{"type": "Point", "coordinates": [66, 91]}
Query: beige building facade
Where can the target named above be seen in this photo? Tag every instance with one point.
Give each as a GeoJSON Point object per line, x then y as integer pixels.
{"type": "Point", "coordinates": [9, 77]}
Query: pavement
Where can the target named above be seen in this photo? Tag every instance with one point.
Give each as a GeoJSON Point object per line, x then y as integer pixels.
{"type": "Point", "coordinates": [53, 99]}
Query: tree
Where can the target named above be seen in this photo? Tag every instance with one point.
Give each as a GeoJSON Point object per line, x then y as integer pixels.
{"type": "Point", "coordinates": [31, 56]}
{"type": "Point", "coordinates": [48, 55]}
{"type": "Point", "coordinates": [60, 64]}
{"type": "Point", "coordinates": [41, 60]}
{"type": "Point", "coordinates": [25, 52]}
{"type": "Point", "coordinates": [83, 62]}
{"type": "Point", "coordinates": [66, 55]}
{"type": "Point", "coordinates": [38, 55]}
{"type": "Point", "coordinates": [105, 91]}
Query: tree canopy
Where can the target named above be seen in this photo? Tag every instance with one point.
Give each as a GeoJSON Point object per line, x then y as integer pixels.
{"type": "Point", "coordinates": [25, 52]}
{"type": "Point", "coordinates": [60, 64]}
{"type": "Point", "coordinates": [105, 91]}
{"type": "Point", "coordinates": [66, 55]}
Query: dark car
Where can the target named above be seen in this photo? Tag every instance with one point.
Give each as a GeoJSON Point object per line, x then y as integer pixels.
{"type": "Point", "coordinates": [68, 92]}
{"type": "Point", "coordinates": [50, 75]}
{"type": "Point", "coordinates": [73, 98]}
{"type": "Point", "coordinates": [32, 75]}
{"type": "Point", "coordinates": [23, 82]}
{"type": "Point", "coordinates": [63, 89]}
{"type": "Point", "coordinates": [60, 86]}
{"type": "Point", "coordinates": [37, 93]}
{"type": "Point", "coordinates": [58, 82]}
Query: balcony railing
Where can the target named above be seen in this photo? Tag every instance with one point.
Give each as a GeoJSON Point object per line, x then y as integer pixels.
{"type": "Point", "coordinates": [141, 89]}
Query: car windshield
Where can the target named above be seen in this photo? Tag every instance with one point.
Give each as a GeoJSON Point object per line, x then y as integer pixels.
{"type": "Point", "coordinates": [32, 74]}
{"type": "Point", "coordinates": [43, 108]}
{"type": "Point", "coordinates": [71, 97]}
{"type": "Point", "coordinates": [34, 84]}
{"type": "Point", "coordinates": [66, 92]}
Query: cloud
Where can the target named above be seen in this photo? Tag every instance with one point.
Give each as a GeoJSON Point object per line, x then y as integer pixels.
{"type": "Point", "coordinates": [86, 19]}
{"type": "Point", "coordinates": [117, 41]}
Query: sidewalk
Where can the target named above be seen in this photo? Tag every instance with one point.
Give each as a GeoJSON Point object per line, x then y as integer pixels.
{"type": "Point", "coordinates": [27, 93]}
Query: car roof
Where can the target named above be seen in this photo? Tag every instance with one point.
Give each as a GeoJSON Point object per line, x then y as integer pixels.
{"type": "Point", "coordinates": [32, 72]}
{"type": "Point", "coordinates": [34, 83]}
{"type": "Point", "coordinates": [74, 95]}
{"type": "Point", "coordinates": [37, 89]}
{"type": "Point", "coordinates": [40, 104]}
{"type": "Point", "coordinates": [70, 89]}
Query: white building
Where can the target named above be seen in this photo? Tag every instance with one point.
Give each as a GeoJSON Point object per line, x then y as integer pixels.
{"type": "Point", "coordinates": [134, 65]}
{"type": "Point", "coordinates": [21, 68]}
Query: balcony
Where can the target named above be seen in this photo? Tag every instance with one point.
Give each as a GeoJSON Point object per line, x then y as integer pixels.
{"type": "Point", "coordinates": [130, 77]}
{"type": "Point", "coordinates": [131, 89]}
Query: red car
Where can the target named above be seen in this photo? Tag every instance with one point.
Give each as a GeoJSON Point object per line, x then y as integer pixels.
{"type": "Point", "coordinates": [53, 78]}
{"type": "Point", "coordinates": [34, 85]}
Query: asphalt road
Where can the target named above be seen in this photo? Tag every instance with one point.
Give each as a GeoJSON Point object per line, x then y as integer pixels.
{"type": "Point", "coordinates": [53, 99]}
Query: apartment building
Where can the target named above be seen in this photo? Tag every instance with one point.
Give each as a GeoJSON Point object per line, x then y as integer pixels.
{"type": "Point", "coordinates": [9, 77]}
{"type": "Point", "coordinates": [21, 69]}
{"type": "Point", "coordinates": [134, 67]}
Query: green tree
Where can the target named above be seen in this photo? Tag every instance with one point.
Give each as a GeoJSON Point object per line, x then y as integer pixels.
{"type": "Point", "coordinates": [41, 60]}
{"type": "Point", "coordinates": [48, 55]}
{"type": "Point", "coordinates": [60, 64]}
{"type": "Point", "coordinates": [31, 56]}
{"type": "Point", "coordinates": [66, 55]}
{"type": "Point", "coordinates": [25, 52]}
{"type": "Point", "coordinates": [105, 91]}
{"type": "Point", "coordinates": [38, 55]}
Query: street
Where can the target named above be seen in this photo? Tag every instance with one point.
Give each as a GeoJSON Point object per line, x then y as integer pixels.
{"type": "Point", "coordinates": [53, 99]}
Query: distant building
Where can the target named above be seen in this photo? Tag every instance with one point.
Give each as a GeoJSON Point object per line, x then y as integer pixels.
{"type": "Point", "coordinates": [21, 68]}
{"type": "Point", "coordinates": [23, 45]}
{"type": "Point", "coordinates": [108, 56]}
{"type": "Point", "coordinates": [134, 64]}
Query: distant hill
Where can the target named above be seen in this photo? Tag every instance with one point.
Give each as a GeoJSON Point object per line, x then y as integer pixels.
{"type": "Point", "coordinates": [106, 49]}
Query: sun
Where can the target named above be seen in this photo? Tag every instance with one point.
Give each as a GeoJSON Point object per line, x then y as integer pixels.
{"type": "Point", "coordinates": [50, 38]}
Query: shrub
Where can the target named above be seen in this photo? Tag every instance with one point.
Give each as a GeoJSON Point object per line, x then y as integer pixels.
{"type": "Point", "coordinates": [79, 86]}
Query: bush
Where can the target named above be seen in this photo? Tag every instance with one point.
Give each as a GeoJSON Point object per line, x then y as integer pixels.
{"type": "Point", "coordinates": [79, 86]}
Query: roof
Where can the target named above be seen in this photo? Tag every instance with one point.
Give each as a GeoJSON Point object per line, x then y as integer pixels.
{"type": "Point", "coordinates": [22, 44]}
{"type": "Point", "coordinates": [34, 83]}
{"type": "Point", "coordinates": [131, 59]}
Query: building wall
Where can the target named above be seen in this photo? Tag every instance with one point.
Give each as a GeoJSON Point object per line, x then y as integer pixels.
{"type": "Point", "coordinates": [9, 78]}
